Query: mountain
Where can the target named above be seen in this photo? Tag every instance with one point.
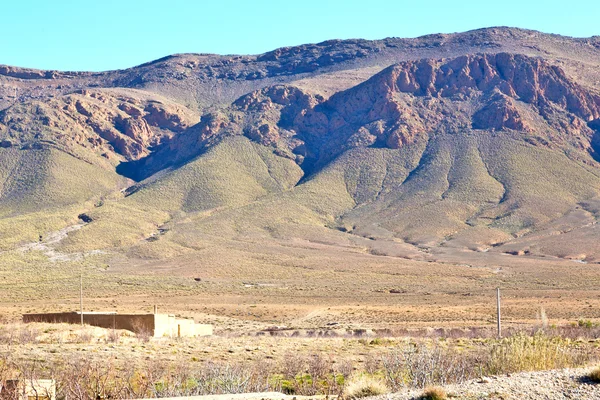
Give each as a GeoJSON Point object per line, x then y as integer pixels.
{"type": "Point", "coordinates": [437, 148]}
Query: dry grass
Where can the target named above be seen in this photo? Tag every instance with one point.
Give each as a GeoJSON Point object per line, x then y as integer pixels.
{"type": "Point", "coordinates": [364, 385]}
{"type": "Point", "coordinates": [92, 361]}
{"type": "Point", "coordinates": [535, 353]}
{"type": "Point", "coordinates": [434, 393]}
{"type": "Point", "coordinates": [594, 375]}
{"type": "Point", "coordinates": [47, 335]}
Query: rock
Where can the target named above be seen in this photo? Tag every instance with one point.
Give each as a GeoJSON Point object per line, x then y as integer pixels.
{"type": "Point", "coordinates": [551, 385]}
{"type": "Point", "coordinates": [405, 103]}
{"type": "Point", "coordinates": [130, 109]}
{"type": "Point", "coordinates": [500, 113]}
{"type": "Point", "coordinates": [266, 134]}
{"type": "Point", "coordinates": [165, 117]}
{"type": "Point", "coordinates": [135, 128]}
{"type": "Point", "coordinates": [112, 125]}
{"type": "Point", "coordinates": [85, 218]}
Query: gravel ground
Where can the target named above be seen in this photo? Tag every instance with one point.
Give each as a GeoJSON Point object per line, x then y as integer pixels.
{"type": "Point", "coordinates": [545, 385]}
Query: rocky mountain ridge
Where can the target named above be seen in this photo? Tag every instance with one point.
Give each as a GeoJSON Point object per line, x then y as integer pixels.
{"type": "Point", "coordinates": [193, 78]}
{"type": "Point", "coordinates": [405, 102]}
{"type": "Point", "coordinates": [409, 148]}
{"type": "Point", "coordinates": [112, 124]}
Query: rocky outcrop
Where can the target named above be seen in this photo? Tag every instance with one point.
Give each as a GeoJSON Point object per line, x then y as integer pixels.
{"type": "Point", "coordinates": [502, 78]}
{"type": "Point", "coordinates": [308, 58]}
{"type": "Point", "coordinates": [111, 124]}
{"type": "Point", "coordinates": [267, 116]}
{"type": "Point", "coordinates": [500, 113]}
{"type": "Point", "coordinates": [411, 101]}
{"type": "Point", "coordinates": [28, 73]}
{"type": "Point", "coordinates": [164, 117]}
{"type": "Point", "coordinates": [403, 104]}
{"type": "Point", "coordinates": [527, 79]}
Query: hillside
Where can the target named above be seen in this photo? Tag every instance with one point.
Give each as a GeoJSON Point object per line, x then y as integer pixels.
{"type": "Point", "coordinates": [479, 148]}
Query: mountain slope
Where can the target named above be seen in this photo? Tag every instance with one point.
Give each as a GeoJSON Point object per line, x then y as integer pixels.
{"type": "Point", "coordinates": [481, 142]}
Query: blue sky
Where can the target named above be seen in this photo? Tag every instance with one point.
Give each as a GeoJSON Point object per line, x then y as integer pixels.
{"type": "Point", "coordinates": [108, 34]}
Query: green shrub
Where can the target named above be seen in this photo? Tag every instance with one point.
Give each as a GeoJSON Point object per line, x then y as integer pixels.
{"type": "Point", "coordinates": [585, 323]}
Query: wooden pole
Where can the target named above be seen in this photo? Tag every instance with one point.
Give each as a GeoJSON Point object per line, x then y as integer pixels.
{"type": "Point", "coordinates": [498, 312]}
{"type": "Point", "coordinates": [81, 296]}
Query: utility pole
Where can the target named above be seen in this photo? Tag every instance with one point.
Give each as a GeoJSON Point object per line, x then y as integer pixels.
{"type": "Point", "coordinates": [81, 296]}
{"type": "Point", "coordinates": [498, 312]}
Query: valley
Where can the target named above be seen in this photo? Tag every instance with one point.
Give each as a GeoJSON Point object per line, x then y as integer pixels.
{"type": "Point", "coordinates": [389, 184]}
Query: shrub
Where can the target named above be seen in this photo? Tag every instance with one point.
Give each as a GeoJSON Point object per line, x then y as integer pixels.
{"type": "Point", "coordinates": [364, 386]}
{"type": "Point", "coordinates": [534, 353]}
{"type": "Point", "coordinates": [113, 336]}
{"type": "Point", "coordinates": [595, 375]}
{"type": "Point", "coordinates": [142, 332]}
{"type": "Point", "coordinates": [421, 366]}
{"type": "Point", "coordinates": [293, 365]}
{"type": "Point", "coordinates": [585, 323]}
{"type": "Point", "coordinates": [85, 335]}
{"type": "Point", "coordinates": [434, 393]}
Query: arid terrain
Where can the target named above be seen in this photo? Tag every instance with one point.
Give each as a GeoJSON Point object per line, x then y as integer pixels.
{"type": "Point", "coordinates": [88, 362]}
{"type": "Point", "coordinates": [353, 184]}
{"type": "Point", "coordinates": [341, 212]}
{"type": "Point", "coordinates": [390, 184]}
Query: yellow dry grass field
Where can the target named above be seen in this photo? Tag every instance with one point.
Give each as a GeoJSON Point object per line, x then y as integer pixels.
{"type": "Point", "coordinates": [250, 287]}
{"type": "Point", "coordinates": [99, 362]}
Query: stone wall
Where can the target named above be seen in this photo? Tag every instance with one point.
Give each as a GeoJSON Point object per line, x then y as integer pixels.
{"type": "Point", "coordinates": [157, 325]}
{"type": "Point", "coordinates": [131, 322]}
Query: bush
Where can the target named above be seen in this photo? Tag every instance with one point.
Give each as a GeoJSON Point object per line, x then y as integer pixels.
{"type": "Point", "coordinates": [534, 353]}
{"type": "Point", "coordinates": [434, 393]}
{"type": "Point", "coordinates": [421, 365]}
{"type": "Point", "coordinates": [364, 386]}
{"type": "Point", "coordinates": [113, 336]}
{"type": "Point", "coordinates": [595, 375]}
{"type": "Point", "coordinates": [585, 323]}
{"type": "Point", "coordinates": [417, 364]}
